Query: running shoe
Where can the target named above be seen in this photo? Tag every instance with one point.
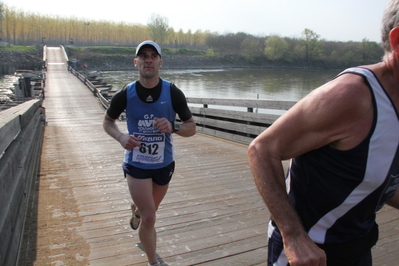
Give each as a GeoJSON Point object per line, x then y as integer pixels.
{"type": "Point", "coordinates": [135, 220]}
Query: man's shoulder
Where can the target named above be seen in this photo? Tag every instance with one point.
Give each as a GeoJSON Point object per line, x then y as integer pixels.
{"type": "Point", "coordinates": [346, 95]}
{"type": "Point", "coordinates": [167, 82]}
{"type": "Point", "coordinates": [351, 86]}
{"type": "Point", "coordinates": [129, 85]}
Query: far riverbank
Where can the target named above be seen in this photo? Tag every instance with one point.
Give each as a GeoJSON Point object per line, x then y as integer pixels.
{"type": "Point", "coordinates": [13, 60]}
{"type": "Point", "coordinates": [125, 62]}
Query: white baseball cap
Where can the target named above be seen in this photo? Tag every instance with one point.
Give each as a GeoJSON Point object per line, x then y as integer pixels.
{"type": "Point", "coordinates": [150, 43]}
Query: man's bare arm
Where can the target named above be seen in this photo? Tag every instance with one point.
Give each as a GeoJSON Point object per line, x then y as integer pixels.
{"type": "Point", "coordinates": [127, 141]}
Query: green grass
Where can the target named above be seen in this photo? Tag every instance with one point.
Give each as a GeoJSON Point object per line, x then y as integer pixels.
{"type": "Point", "coordinates": [105, 49]}
{"type": "Point", "coordinates": [18, 48]}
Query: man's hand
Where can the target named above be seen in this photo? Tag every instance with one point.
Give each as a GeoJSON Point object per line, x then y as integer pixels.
{"type": "Point", "coordinates": [304, 252]}
{"type": "Point", "coordinates": [163, 125]}
{"type": "Point", "coordinates": [129, 142]}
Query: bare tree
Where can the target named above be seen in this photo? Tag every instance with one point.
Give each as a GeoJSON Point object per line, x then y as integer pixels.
{"type": "Point", "coordinates": [158, 28]}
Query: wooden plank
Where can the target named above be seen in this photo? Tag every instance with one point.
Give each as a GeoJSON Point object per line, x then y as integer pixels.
{"type": "Point", "coordinates": [18, 169]}
{"type": "Point", "coordinates": [249, 103]}
{"type": "Point", "coordinates": [232, 126]}
{"type": "Point", "coordinates": [13, 119]}
{"type": "Point", "coordinates": [19, 155]}
{"type": "Point", "coordinates": [32, 109]}
{"type": "Point", "coordinates": [225, 135]}
{"type": "Point", "coordinates": [229, 124]}
{"type": "Point", "coordinates": [9, 129]}
{"type": "Point", "coordinates": [235, 115]}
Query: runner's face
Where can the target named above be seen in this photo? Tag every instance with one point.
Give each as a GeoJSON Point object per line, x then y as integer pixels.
{"type": "Point", "coordinates": [148, 63]}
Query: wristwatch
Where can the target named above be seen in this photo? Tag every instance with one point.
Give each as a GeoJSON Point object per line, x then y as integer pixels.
{"type": "Point", "coordinates": [175, 126]}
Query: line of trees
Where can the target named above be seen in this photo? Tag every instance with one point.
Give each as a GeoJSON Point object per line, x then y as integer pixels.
{"type": "Point", "coordinates": [25, 28]}
{"type": "Point", "coordinates": [306, 49]}
{"type": "Point", "coordinates": [18, 27]}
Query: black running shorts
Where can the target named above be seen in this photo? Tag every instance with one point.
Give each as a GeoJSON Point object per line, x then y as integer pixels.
{"type": "Point", "coordinates": [161, 176]}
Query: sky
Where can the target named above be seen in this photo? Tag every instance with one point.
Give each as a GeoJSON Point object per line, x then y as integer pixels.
{"type": "Point", "coordinates": [333, 20]}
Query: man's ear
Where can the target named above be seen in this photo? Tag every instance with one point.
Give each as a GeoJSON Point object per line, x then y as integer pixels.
{"type": "Point", "coordinates": [394, 40]}
{"type": "Point", "coordinates": [134, 62]}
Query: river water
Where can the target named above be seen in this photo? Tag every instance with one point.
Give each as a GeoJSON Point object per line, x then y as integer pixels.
{"type": "Point", "coordinates": [276, 84]}
{"type": "Point", "coordinates": [6, 87]}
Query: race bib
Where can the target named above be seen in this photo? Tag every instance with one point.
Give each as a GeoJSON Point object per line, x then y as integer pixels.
{"type": "Point", "coordinates": [151, 150]}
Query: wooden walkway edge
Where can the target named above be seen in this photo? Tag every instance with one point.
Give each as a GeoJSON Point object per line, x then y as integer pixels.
{"type": "Point", "coordinates": [79, 215]}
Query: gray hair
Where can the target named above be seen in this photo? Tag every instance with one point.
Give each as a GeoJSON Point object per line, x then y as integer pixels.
{"type": "Point", "coordinates": [390, 20]}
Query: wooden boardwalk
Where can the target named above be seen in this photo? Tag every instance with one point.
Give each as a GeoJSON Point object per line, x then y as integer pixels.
{"type": "Point", "coordinates": [79, 215]}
